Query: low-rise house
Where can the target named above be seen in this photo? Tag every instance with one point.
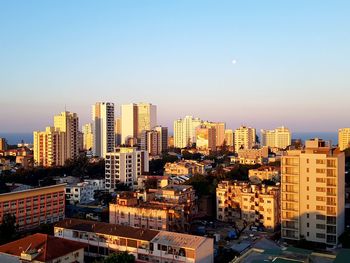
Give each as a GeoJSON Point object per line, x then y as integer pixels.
{"type": "Point", "coordinates": [83, 192]}
{"type": "Point", "coordinates": [170, 208]}
{"type": "Point", "coordinates": [265, 173]}
{"type": "Point", "coordinates": [42, 248]}
{"type": "Point", "coordinates": [146, 245]}
{"type": "Point", "coordinates": [251, 156]}
{"type": "Point", "coordinates": [184, 167]}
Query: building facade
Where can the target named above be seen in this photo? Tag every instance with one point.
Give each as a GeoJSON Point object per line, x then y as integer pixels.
{"type": "Point", "coordinates": [3, 144]}
{"type": "Point", "coordinates": [256, 204]}
{"type": "Point", "coordinates": [146, 245]}
{"type": "Point", "coordinates": [206, 138]}
{"type": "Point", "coordinates": [125, 165]}
{"type": "Point", "coordinates": [135, 118]}
{"type": "Point", "coordinates": [42, 248]}
{"type": "Point", "coordinates": [49, 147]}
{"type": "Point", "coordinates": [103, 128]}
{"type": "Point", "coordinates": [229, 138]}
{"type": "Point", "coordinates": [184, 167]}
{"type": "Point", "coordinates": [170, 208]}
{"type": "Point", "coordinates": [83, 192]}
{"type": "Point", "coordinates": [33, 207]}
{"type": "Point", "coordinates": [344, 138]}
{"type": "Point", "coordinates": [88, 136]}
{"type": "Point", "coordinates": [313, 193]}
{"type": "Point", "coordinates": [280, 137]}
{"type": "Point", "coordinates": [245, 138]}
{"type": "Point", "coordinates": [185, 131]}
{"type": "Point", "coordinates": [68, 123]}
{"type": "Point", "coordinates": [155, 141]}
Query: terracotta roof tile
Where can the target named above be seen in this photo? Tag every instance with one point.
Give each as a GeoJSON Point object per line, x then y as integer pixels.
{"type": "Point", "coordinates": [47, 247]}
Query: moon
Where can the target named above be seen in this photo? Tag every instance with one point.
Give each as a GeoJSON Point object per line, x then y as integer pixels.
{"type": "Point", "coordinates": [234, 61]}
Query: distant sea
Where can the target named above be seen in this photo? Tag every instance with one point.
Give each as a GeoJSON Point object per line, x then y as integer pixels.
{"type": "Point", "coordinates": [327, 136]}
{"type": "Point", "coordinates": [14, 138]}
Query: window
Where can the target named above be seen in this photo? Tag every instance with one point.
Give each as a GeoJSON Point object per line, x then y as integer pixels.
{"type": "Point", "coordinates": [320, 226]}
{"type": "Point", "coordinates": [307, 179]}
{"type": "Point", "coordinates": [308, 225]}
{"type": "Point", "coordinates": [320, 208]}
{"type": "Point", "coordinates": [320, 217]}
{"type": "Point", "coordinates": [320, 189]}
{"type": "Point", "coordinates": [320, 198]}
{"type": "Point", "coordinates": [320, 180]}
{"type": "Point", "coordinates": [320, 161]}
{"type": "Point", "coordinates": [320, 235]}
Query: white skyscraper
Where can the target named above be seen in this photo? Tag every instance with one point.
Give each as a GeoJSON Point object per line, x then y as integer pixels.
{"type": "Point", "coordinates": [185, 131]}
{"type": "Point", "coordinates": [103, 128]}
{"type": "Point", "coordinates": [135, 118]}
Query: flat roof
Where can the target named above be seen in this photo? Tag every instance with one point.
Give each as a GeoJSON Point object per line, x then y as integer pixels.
{"type": "Point", "coordinates": [107, 229]}
{"type": "Point", "coordinates": [179, 239]}
{"type": "Point", "coordinates": [33, 189]}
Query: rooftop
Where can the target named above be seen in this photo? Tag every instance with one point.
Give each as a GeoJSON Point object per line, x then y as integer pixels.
{"type": "Point", "coordinates": [42, 247]}
{"type": "Point", "coordinates": [179, 240]}
{"type": "Point", "coordinates": [108, 229]}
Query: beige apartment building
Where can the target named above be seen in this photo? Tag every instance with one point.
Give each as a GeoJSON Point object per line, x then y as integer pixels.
{"type": "Point", "coordinates": [229, 138]}
{"type": "Point", "coordinates": [244, 138]}
{"type": "Point", "coordinates": [68, 123]}
{"type": "Point", "coordinates": [135, 118]}
{"type": "Point", "coordinates": [125, 165]}
{"type": "Point", "coordinates": [206, 138]}
{"type": "Point", "coordinates": [56, 144]}
{"type": "Point", "coordinates": [280, 137]}
{"type": "Point", "coordinates": [344, 138]}
{"type": "Point", "coordinates": [313, 193]}
{"type": "Point", "coordinates": [265, 173]}
{"type": "Point", "coordinates": [33, 207]}
{"type": "Point", "coordinates": [170, 208]}
{"type": "Point", "coordinates": [48, 147]}
{"type": "Point", "coordinates": [155, 141]}
{"type": "Point", "coordinates": [184, 167]}
{"type": "Point", "coordinates": [88, 136]}
{"type": "Point", "coordinates": [256, 204]}
{"type": "Point", "coordinates": [251, 156]}
{"type": "Point", "coordinates": [3, 144]}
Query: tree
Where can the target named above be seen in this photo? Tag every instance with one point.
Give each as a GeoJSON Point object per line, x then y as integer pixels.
{"type": "Point", "coordinates": [8, 228]}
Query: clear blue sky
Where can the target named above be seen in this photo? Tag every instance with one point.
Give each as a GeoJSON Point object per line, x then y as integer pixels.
{"type": "Point", "coordinates": [293, 61]}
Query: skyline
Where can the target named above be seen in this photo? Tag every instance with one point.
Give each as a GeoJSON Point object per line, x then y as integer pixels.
{"type": "Point", "coordinates": [291, 61]}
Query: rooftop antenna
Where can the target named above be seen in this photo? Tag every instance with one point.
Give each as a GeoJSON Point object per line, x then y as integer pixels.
{"type": "Point", "coordinates": [65, 107]}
